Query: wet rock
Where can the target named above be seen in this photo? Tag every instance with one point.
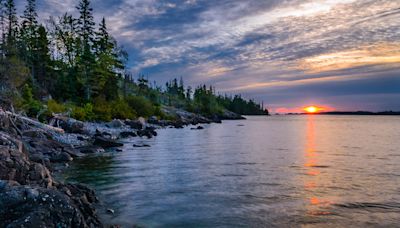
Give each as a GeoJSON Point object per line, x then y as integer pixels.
{"type": "Point", "coordinates": [36, 134]}
{"type": "Point", "coordinates": [149, 132]}
{"type": "Point", "coordinates": [61, 157]}
{"type": "Point", "coordinates": [143, 145]}
{"type": "Point", "coordinates": [72, 126]}
{"type": "Point", "coordinates": [25, 206]}
{"type": "Point", "coordinates": [103, 134]}
{"type": "Point", "coordinates": [16, 166]}
{"type": "Point", "coordinates": [73, 152]}
{"type": "Point", "coordinates": [197, 128]}
{"type": "Point", "coordinates": [135, 124]}
{"type": "Point", "coordinates": [127, 134]}
{"type": "Point", "coordinates": [178, 124]}
{"type": "Point", "coordinates": [106, 143]}
{"type": "Point", "coordinates": [115, 124]}
{"type": "Point", "coordinates": [41, 149]}
{"type": "Point", "coordinates": [110, 211]}
{"type": "Point", "coordinates": [81, 138]}
{"type": "Point", "coordinates": [91, 149]}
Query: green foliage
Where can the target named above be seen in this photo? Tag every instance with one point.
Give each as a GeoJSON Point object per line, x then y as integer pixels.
{"type": "Point", "coordinates": [102, 109]}
{"type": "Point", "coordinates": [141, 105]}
{"type": "Point", "coordinates": [31, 106]}
{"type": "Point", "coordinates": [122, 110]}
{"type": "Point", "coordinates": [55, 107]}
{"type": "Point", "coordinates": [85, 113]}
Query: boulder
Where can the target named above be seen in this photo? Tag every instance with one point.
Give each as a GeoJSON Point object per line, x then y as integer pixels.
{"type": "Point", "coordinates": [61, 157]}
{"type": "Point", "coordinates": [115, 124]}
{"type": "Point", "coordinates": [26, 206]}
{"type": "Point", "coordinates": [149, 132]}
{"type": "Point", "coordinates": [42, 149]}
{"type": "Point", "coordinates": [135, 124]}
{"type": "Point", "coordinates": [90, 149]}
{"type": "Point", "coordinates": [127, 134]}
{"type": "Point", "coordinates": [143, 145]}
{"type": "Point", "coordinates": [197, 128]}
{"type": "Point", "coordinates": [153, 120]}
{"type": "Point", "coordinates": [106, 143]}
{"type": "Point", "coordinates": [39, 134]}
{"type": "Point", "coordinates": [104, 134]}
{"type": "Point", "coordinates": [16, 166]}
{"type": "Point", "coordinates": [73, 126]}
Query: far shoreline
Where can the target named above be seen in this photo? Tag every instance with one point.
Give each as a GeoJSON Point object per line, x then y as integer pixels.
{"type": "Point", "coordinates": [348, 113]}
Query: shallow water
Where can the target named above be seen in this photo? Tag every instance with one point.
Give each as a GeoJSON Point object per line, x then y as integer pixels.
{"type": "Point", "coordinates": [264, 171]}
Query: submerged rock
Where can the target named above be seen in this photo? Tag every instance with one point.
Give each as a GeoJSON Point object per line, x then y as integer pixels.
{"type": "Point", "coordinates": [197, 128]}
{"type": "Point", "coordinates": [143, 145]}
{"type": "Point", "coordinates": [149, 132]}
{"type": "Point", "coordinates": [90, 149]}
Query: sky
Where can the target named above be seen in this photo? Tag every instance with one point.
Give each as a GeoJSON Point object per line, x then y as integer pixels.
{"type": "Point", "coordinates": [339, 54]}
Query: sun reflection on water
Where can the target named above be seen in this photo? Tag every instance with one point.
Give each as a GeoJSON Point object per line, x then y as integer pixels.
{"type": "Point", "coordinates": [316, 205]}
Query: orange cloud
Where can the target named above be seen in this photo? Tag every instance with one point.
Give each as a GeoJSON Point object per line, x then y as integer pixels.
{"type": "Point", "coordinates": [284, 110]}
{"type": "Point", "coordinates": [377, 54]}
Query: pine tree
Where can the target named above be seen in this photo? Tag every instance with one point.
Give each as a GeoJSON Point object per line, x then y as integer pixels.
{"type": "Point", "coordinates": [108, 63]}
{"type": "Point", "coordinates": [42, 61]}
{"type": "Point", "coordinates": [86, 57]}
{"type": "Point", "coordinates": [28, 37]}
{"type": "Point", "coordinates": [2, 28]}
{"type": "Point", "coordinates": [12, 27]}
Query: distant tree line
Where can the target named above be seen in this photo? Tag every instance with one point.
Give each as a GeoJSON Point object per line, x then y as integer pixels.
{"type": "Point", "coordinates": [74, 65]}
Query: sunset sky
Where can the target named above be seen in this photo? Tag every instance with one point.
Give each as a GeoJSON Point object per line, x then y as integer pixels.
{"type": "Point", "coordinates": [343, 54]}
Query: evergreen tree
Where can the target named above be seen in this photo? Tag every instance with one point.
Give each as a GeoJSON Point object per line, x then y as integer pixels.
{"type": "Point", "coordinates": [42, 61]}
{"type": "Point", "coordinates": [86, 57]}
{"type": "Point", "coordinates": [107, 64]}
{"type": "Point", "coordinates": [2, 28]}
{"type": "Point", "coordinates": [28, 37]}
{"type": "Point", "coordinates": [12, 27]}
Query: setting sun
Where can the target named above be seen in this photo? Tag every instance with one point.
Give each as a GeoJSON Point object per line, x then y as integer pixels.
{"type": "Point", "coordinates": [312, 109]}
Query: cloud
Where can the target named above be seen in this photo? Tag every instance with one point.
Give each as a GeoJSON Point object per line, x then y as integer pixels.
{"type": "Point", "coordinates": [379, 54]}
{"type": "Point", "coordinates": [255, 47]}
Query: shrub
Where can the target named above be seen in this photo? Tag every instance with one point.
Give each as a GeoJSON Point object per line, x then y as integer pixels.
{"type": "Point", "coordinates": [122, 110]}
{"type": "Point", "coordinates": [141, 105]}
{"type": "Point", "coordinates": [54, 107]}
{"type": "Point", "coordinates": [84, 113]}
{"type": "Point", "coordinates": [31, 106]}
{"type": "Point", "coordinates": [102, 109]}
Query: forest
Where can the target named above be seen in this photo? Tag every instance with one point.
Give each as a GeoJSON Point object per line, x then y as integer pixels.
{"type": "Point", "coordinates": [74, 65]}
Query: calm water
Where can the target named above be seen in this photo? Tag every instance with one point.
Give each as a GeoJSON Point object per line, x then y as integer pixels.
{"type": "Point", "coordinates": [264, 171]}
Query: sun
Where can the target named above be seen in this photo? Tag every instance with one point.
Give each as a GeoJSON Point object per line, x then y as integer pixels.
{"type": "Point", "coordinates": [312, 109]}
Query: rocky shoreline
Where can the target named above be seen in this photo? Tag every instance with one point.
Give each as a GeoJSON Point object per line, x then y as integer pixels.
{"type": "Point", "coordinates": [30, 195]}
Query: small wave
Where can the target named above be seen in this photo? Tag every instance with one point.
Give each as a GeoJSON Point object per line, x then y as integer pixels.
{"type": "Point", "coordinates": [232, 175]}
{"type": "Point", "coordinates": [319, 166]}
{"type": "Point", "coordinates": [246, 163]}
{"type": "Point", "coordinates": [365, 205]}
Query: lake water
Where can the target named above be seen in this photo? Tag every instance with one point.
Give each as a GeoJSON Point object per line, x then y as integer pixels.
{"type": "Point", "coordinates": [261, 172]}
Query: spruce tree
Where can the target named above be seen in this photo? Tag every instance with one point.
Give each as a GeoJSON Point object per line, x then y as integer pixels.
{"type": "Point", "coordinates": [42, 61]}
{"type": "Point", "coordinates": [29, 37]}
{"type": "Point", "coordinates": [12, 27]}
{"type": "Point", "coordinates": [108, 66]}
{"type": "Point", "coordinates": [86, 57]}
